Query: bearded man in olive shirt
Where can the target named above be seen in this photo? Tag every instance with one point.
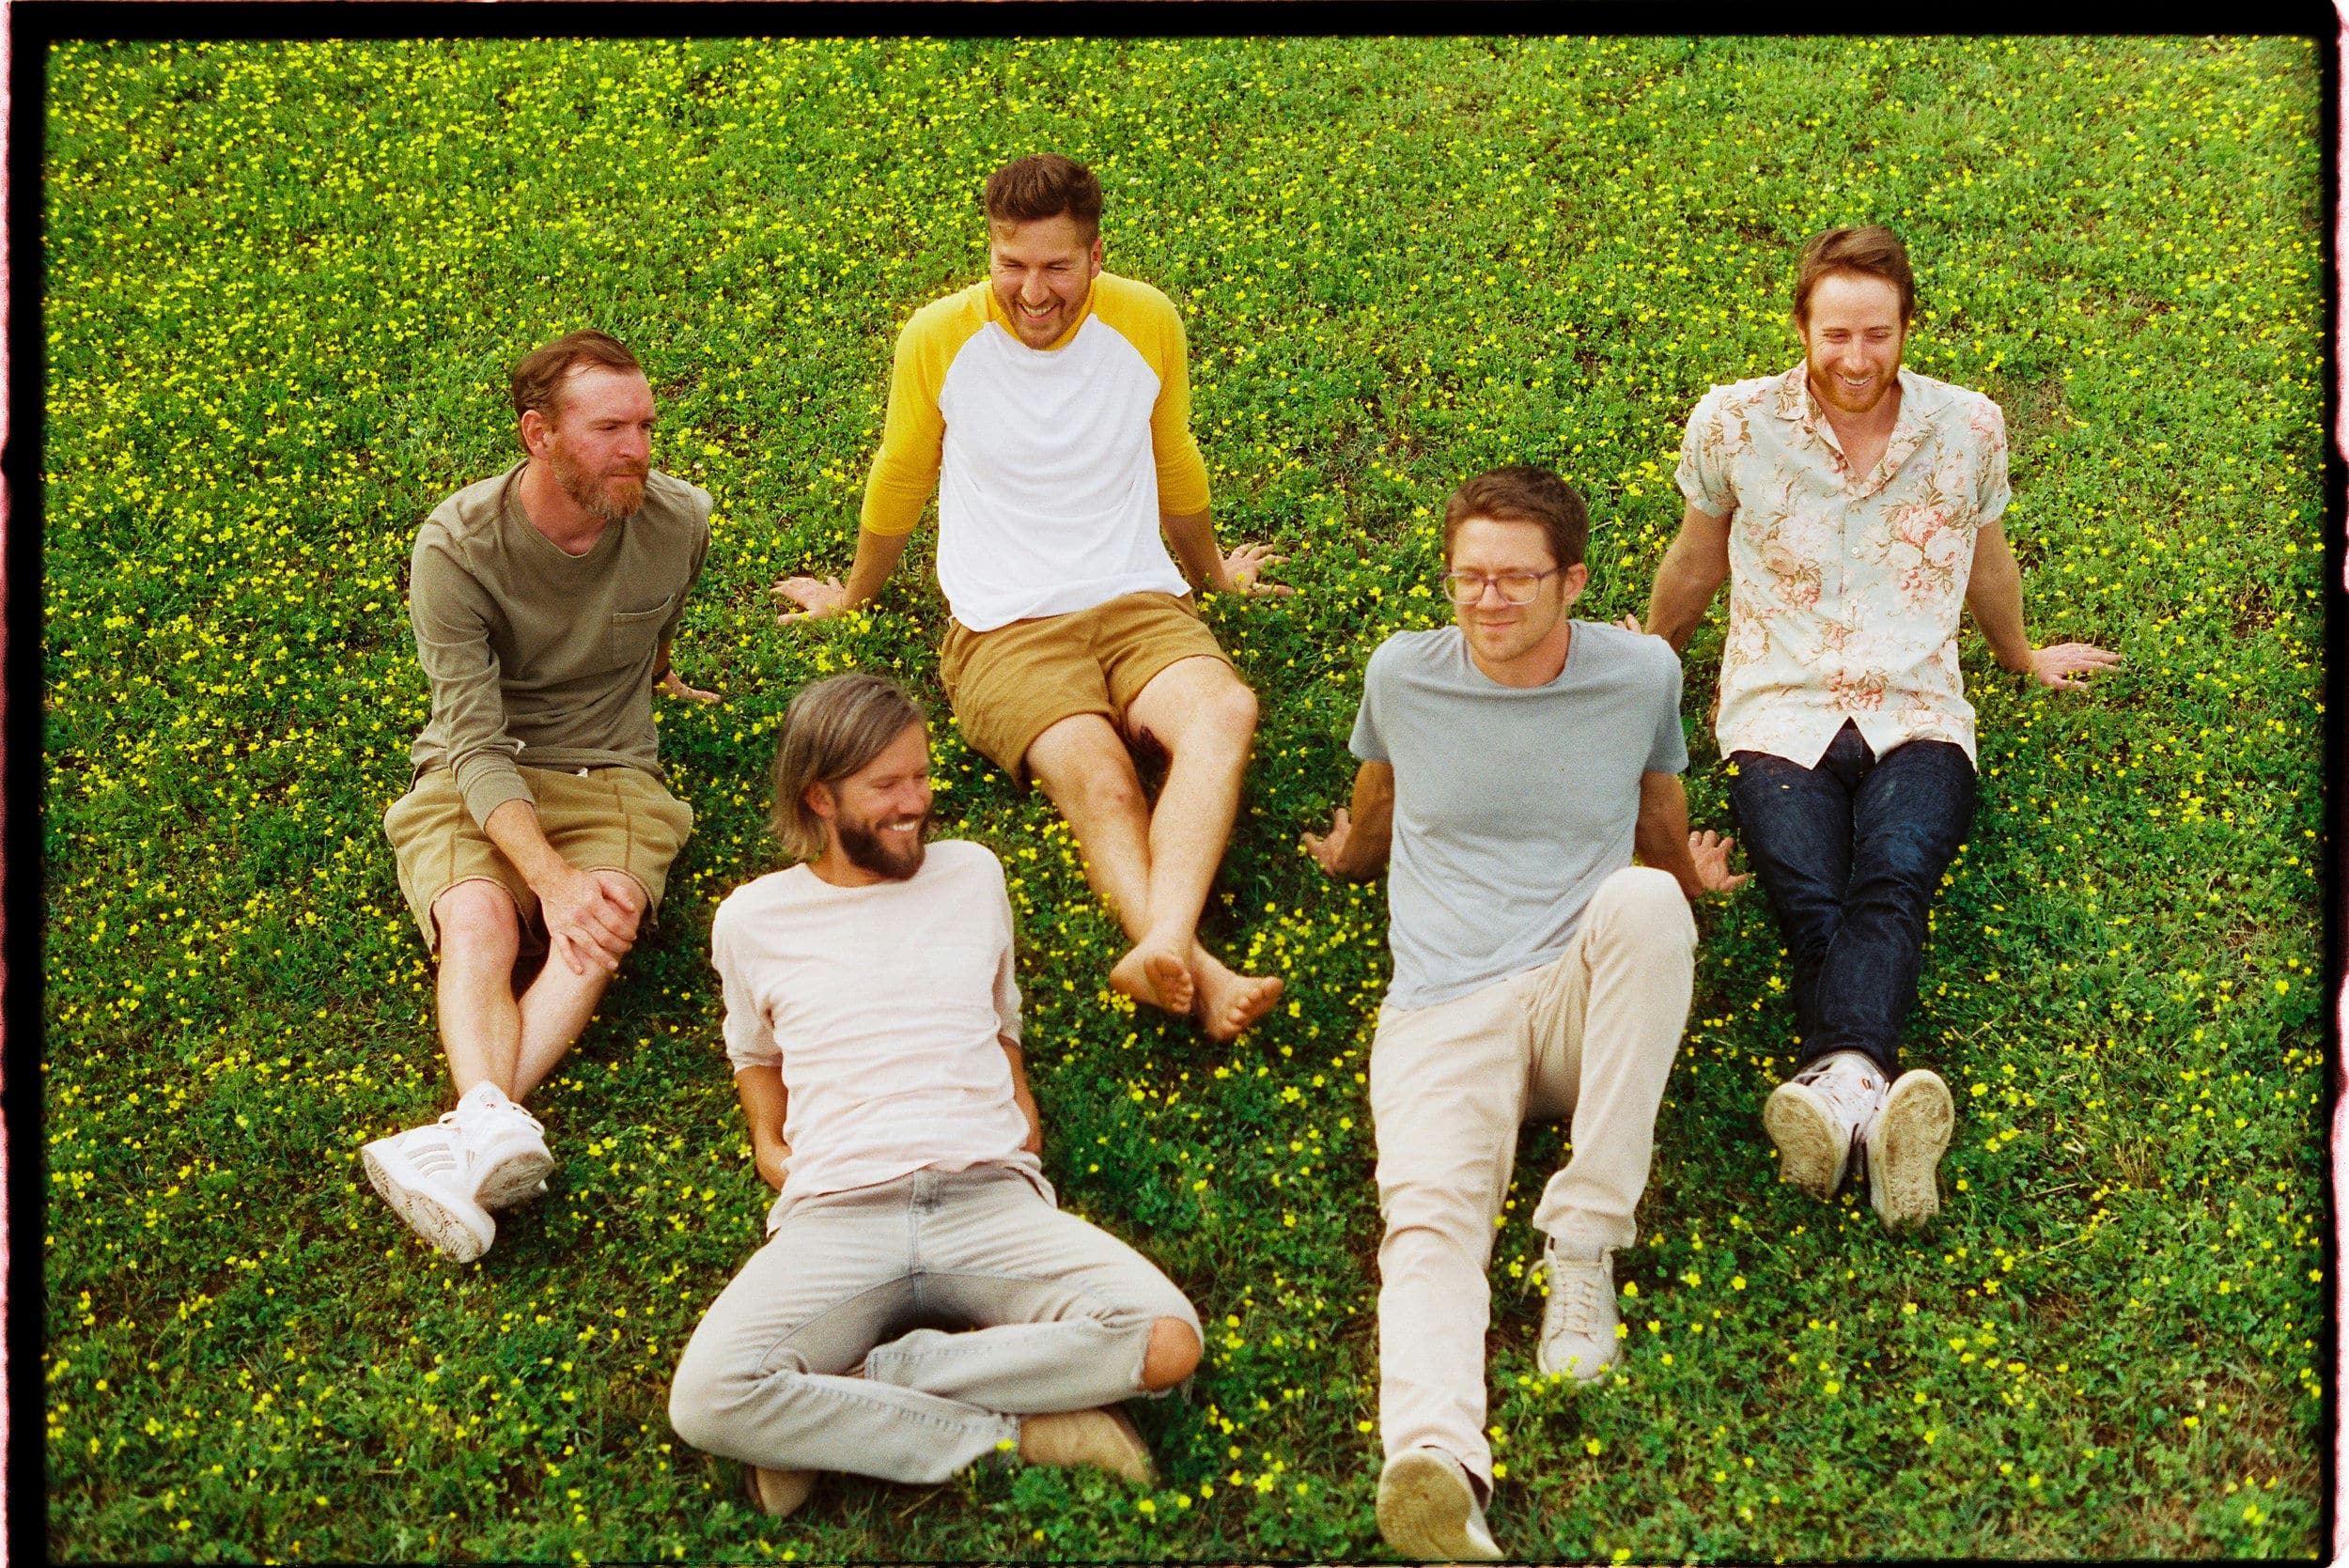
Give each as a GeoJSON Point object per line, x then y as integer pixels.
{"type": "Point", "coordinates": [538, 820]}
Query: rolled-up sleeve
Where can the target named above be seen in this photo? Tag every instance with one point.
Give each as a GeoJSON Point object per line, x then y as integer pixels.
{"type": "Point", "coordinates": [450, 612]}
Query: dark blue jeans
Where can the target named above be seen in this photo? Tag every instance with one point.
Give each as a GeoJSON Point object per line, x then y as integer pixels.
{"type": "Point", "coordinates": [1850, 853]}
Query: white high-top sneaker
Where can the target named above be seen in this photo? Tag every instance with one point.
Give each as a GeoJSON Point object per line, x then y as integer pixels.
{"type": "Point", "coordinates": [508, 1147]}
{"type": "Point", "coordinates": [1818, 1117]}
{"type": "Point", "coordinates": [1904, 1149]}
{"type": "Point", "coordinates": [1579, 1319]}
{"type": "Point", "coordinates": [425, 1174]}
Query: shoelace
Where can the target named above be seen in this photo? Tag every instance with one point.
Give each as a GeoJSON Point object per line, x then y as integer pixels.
{"type": "Point", "coordinates": [1850, 1095]}
{"type": "Point", "coordinates": [1573, 1297]}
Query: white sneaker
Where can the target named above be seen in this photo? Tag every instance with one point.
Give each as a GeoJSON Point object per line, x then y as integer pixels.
{"type": "Point", "coordinates": [508, 1147]}
{"type": "Point", "coordinates": [1904, 1149]}
{"type": "Point", "coordinates": [1819, 1116]}
{"type": "Point", "coordinates": [426, 1176]}
{"type": "Point", "coordinates": [1578, 1320]}
{"type": "Point", "coordinates": [1427, 1509]}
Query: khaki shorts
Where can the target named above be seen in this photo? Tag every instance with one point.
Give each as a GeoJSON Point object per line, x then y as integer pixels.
{"type": "Point", "coordinates": [605, 819]}
{"type": "Point", "coordinates": [1010, 685]}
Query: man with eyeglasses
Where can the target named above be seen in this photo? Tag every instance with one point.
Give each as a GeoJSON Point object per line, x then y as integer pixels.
{"type": "Point", "coordinates": [1513, 765]}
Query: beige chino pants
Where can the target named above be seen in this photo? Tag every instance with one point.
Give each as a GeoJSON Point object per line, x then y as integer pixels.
{"type": "Point", "coordinates": [1591, 1036]}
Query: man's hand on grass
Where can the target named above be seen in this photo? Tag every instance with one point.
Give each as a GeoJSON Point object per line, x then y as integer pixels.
{"type": "Point", "coordinates": [1711, 853]}
{"type": "Point", "coordinates": [2065, 666]}
{"type": "Point", "coordinates": [1243, 573]}
{"type": "Point", "coordinates": [674, 684]}
{"type": "Point", "coordinates": [820, 599]}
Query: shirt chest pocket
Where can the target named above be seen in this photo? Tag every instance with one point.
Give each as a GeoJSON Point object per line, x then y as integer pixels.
{"type": "Point", "coordinates": [635, 633]}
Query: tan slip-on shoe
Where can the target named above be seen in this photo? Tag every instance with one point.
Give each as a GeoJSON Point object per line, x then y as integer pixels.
{"type": "Point", "coordinates": [1103, 1437]}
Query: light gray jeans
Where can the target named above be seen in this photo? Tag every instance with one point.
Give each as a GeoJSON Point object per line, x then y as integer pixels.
{"type": "Point", "coordinates": [812, 1358]}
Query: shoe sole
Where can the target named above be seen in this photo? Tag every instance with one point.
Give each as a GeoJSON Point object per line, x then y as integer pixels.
{"type": "Point", "coordinates": [427, 1216]}
{"type": "Point", "coordinates": [1811, 1153]}
{"type": "Point", "coordinates": [1425, 1506]}
{"type": "Point", "coordinates": [1905, 1150]}
{"type": "Point", "coordinates": [519, 1175]}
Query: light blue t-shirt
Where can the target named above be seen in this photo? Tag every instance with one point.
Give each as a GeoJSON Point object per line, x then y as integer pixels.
{"type": "Point", "coordinates": [1511, 803]}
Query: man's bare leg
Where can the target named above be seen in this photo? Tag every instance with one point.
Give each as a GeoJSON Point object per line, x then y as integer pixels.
{"type": "Point", "coordinates": [556, 1007]}
{"type": "Point", "coordinates": [480, 1025]}
{"type": "Point", "coordinates": [1082, 765]}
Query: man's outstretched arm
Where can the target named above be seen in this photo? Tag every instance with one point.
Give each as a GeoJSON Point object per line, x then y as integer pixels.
{"type": "Point", "coordinates": [1691, 573]}
{"type": "Point", "coordinates": [1994, 592]}
{"type": "Point", "coordinates": [764, 1102]}
{"type": "Point", "coordinates": [1359, 840]}
{"type": "Point", "coordinates": [876, 556]}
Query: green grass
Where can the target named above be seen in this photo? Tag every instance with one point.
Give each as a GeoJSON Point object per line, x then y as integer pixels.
{"type": "Point", "coordinates": [284, 286]}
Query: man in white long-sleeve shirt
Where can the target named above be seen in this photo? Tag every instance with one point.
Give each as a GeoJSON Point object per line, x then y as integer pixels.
{"type": "Point", "coordinates": [873, 1022]}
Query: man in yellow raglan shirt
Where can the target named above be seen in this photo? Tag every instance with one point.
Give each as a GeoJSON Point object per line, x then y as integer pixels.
{"type": "Point", "coordinates": [1050, 407]}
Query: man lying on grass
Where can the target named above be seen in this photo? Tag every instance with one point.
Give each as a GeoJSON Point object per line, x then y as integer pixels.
{"type": "Point", "coordinates": [538, 822]}
{"type": "Point", "coordinates": [1854, 507]}
{"type": "Point", "coordinates": [1054, 399]}
{"type": "Point", "coordinates": [920, 1303]}
{"type": "Point", "coordinates": [1513, 763]}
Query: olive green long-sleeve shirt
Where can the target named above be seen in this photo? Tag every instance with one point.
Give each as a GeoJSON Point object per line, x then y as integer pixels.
{"type": "Point", "coordinates": [539, 657]}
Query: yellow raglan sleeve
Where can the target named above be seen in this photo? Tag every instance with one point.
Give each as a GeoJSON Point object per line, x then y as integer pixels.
{"type": "Point", "coordinates": [1182, 471]}
{"type": "Point", "coordinates": [913, 432]}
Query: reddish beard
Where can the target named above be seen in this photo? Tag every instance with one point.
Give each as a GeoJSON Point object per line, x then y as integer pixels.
{"type": "Point", "coordinates": [606, 497]}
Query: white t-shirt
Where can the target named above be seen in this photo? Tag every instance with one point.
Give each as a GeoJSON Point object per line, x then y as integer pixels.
{"type": "Point", "coordinates": [883, 1006]}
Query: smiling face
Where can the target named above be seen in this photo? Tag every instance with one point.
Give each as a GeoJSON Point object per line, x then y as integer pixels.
{"type": "Point", "coordinates": [875, 817]}
{"type": "Point", "coordinates": [1040, 270]}
{"type": "Point", "coordinates": [598, 445]}
{"type": "Point", "coordinates": [1499, 634]}
{"type": "Point", "coordinates": [1852, 340]}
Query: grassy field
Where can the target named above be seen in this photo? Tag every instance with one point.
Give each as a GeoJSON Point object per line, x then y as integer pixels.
{"type": "Point", "coordinates": [284, 282]}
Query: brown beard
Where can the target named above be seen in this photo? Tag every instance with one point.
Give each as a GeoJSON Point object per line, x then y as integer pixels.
{"type": "Point", "coordinates": [861, 843]}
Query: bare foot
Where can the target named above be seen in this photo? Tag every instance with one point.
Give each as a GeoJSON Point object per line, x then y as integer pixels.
{"type": "Point", "coordinates": [1154, 975]}
{"type": "Point", "coordinates": [1229, 1002]}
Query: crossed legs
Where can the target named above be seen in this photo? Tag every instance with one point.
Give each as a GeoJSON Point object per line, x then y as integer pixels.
{"type": "Point", "coordinates": [1154, 867]}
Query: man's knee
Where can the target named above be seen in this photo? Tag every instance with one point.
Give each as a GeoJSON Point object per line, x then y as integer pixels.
{"type": "Point", "coordinates": [1644, 905]}
{"type": "Point", "coordinates": [479, 919]}
{"type": "Point", "coordinates": [1221, 716]}
{"type": "Point", "coordinates": [1084, 766]}
{"type": "Point", "coordinates": [1173, 1352]}
{"type": "Point", "coordinates": [707, 1397]}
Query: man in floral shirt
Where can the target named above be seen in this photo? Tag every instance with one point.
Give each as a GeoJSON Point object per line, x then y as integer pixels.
{"type": "Point", "coordinates": [1854, 507]}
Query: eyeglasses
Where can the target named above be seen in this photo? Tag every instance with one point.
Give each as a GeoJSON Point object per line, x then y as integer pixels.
{"type": "Point", "coordinates": [1516, 587]}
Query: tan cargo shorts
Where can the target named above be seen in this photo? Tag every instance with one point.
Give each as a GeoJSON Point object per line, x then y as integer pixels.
{"type": "Point", "coordinates": [599, 818]}
{"type": "Point", "coordinates": [1010, 685]}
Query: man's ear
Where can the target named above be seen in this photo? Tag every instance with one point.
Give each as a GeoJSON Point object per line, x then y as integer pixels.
{"type": "Point", "coordinates": [817, 797]}
{"type": "Point", "coordinates": [537, 433]}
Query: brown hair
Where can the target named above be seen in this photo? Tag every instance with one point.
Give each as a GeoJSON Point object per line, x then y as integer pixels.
{"type": "Point", "coordinates": [1043, 185]}
{"type": "Point", "coordinates": [831, 730]}
{"type": "Point", "coordinates": [1874, 250]}
{"type": "Point", "coordinates": [1523, 493]}
{"type": "Point", "coordinates": [537, 379]}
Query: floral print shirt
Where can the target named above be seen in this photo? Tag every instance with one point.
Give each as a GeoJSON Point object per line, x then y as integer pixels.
{"type": "Point", "coordinates": [1844, 589]}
